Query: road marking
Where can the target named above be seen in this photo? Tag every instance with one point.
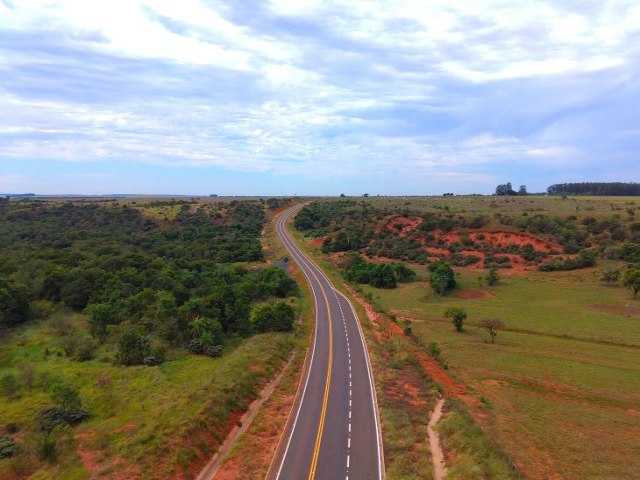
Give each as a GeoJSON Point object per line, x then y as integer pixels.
{"type": "Point", "coordinates": [348, 459]}
{"type": "Point", "coordinates": [349, 442]}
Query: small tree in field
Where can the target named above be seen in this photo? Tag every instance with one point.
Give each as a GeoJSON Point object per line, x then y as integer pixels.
{"type": "Point", "coordinates": [492, 327]}
{"type": "Point", "coordinates": [492, 277]}
{"type": "Point", "coordinates": [457, 317]}
{"type": "Point", "coordinates": [631, 279]}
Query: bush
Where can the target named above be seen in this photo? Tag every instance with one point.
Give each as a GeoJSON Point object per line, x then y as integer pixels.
{"type": "Point", "coordinates": [133, 347]}
{"type": "Point", "coordinates": [442, 277]}
{"type": "Point", "coordinates": [7, 446]}
{"type": "Point", "coordinates": [434, 350]}
{"type": "Point", "coordinates": [457, 317]}
{"type": "Point", "coordinates": [50, 418]}
{"type": "Point", "coordinates": [9, 385]}
{"type": "Point", "coordinates": [584, 260]}
{"type": "Point", "coordinates": [47, 448]}
{"type": "Point", "coordinates": [278, 317]}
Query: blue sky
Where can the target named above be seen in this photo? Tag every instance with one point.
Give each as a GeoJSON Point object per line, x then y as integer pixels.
{"type": "Point", "coordinates": [316, 97]}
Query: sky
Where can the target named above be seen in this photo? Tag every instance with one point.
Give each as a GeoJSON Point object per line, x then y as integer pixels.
{"type": "Point", "coordinates": [311, 97]}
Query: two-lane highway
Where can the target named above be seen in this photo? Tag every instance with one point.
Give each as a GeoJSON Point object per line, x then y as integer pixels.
{"type": "Point", "coordinates": [333, 432]}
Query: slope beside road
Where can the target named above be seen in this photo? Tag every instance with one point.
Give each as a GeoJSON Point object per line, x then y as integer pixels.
{"type": "Point", "coordinates": [333, 431]}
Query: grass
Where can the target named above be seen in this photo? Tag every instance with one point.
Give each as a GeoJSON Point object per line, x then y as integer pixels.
{"type": "Point", "coordinates": [569, 361]}
{"type": "Point", "coordinates": [146, 415]}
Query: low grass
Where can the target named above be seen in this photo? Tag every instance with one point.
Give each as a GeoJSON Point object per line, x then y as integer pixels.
{"type": "Point", "coordinates": [148, 416]}
{"type": "Point", "coordinates": [560, 387]}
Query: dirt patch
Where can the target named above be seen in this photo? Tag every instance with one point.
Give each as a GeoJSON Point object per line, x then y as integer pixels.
{"type": "Point", "coordinates": [126, 428]}
{"type": "Point", "coordinates": [494, 383]}
{"type": "Point", "coordinates": [401, 225]}
{"type": "Point", "coordinates": [473, 294]}
{"type": "Point", "coordinates": [627, 311]}
{"type": "Point", "coordinates": [316, 242]}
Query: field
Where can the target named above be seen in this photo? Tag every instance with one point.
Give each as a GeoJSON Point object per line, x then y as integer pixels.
{"type": "Point", "coordinates": [559, 391]}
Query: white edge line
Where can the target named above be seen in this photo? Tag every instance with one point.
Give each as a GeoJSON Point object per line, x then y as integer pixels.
{"type": "Point", "coordinates": [374, 396]}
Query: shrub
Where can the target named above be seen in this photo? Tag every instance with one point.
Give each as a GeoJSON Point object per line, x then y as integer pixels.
{"type": "Point", "coordinates": [133, 347]}
{"type": "Point", "coordinates": [442, 277]}
{"type": "Point", "coordinates": [434, 350]}
{"type": "Point", "coordinates": [9, 385]}
{"type": "Point", "coordinates": [492, 277]}
{"type": "Point", "coordinates": [457, 317]}
{"type": "Point", "coordinates": [50, 418]}
{"type": "Point", "coordinates": [7, 446]}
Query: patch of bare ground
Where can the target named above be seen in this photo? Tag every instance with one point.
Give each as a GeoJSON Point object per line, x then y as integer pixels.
{"type": "Point", "coordinates": [470, 294]}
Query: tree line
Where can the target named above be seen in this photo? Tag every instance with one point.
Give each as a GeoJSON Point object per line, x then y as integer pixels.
{"type": "Point", "coordinates": [595, 189]}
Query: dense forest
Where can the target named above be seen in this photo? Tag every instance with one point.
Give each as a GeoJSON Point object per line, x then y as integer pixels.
{"type": "Point", "coordinates": [145, 282]}
{"type": "Point", "coordinates": [595, 188]}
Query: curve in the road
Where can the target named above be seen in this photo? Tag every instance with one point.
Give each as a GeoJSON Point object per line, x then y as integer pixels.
{"type": "Point", "coordinates": [335, 432]}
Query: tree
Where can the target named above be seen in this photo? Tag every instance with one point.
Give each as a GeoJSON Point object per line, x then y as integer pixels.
{"type": "Point", "coordinates": [457, 317]}
{"type": "Point", "coordinates": [102, 315]}
{"type": "Point", "coordinates": [506, 189]}
{"type": "Point", "coordinates": [522, 190]}
{"type": "Point", "coordinates": [277, 317]}
{"type": "Point", "coordinates": [66, 396]}
{"type": "Point", "coordinates": [492, 327]}
{"type": "Point", "coordinates": [205, 332]}
{"type": "Point", "coordinates": [493, 278]}
{"type": "Point", "coordinates": [631, 279]}
{"type": "Point", "coordinates": [442, 277]}
{"type": "Point", "coordinates": [14, 304]}
{"type": "Point", "coordinates": [133, 347]}
{"type": "Point", "coordinates": [610, 275]}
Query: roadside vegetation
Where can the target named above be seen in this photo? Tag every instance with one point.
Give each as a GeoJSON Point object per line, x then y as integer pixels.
{"type": "Point", "coordinates": [132, 334]}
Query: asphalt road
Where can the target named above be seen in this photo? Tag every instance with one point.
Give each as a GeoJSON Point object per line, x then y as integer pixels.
{"type": "Point", "coordinates": [333, 431]}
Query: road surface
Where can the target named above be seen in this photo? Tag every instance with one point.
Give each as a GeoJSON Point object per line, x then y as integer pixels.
{"type": "Point", "coordinates": [333, 431]}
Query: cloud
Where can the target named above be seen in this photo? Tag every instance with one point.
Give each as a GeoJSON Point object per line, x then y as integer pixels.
{"type": "Point", "coordinates": [323, 89]}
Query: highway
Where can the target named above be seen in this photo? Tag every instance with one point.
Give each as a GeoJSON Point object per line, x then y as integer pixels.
{"type": "Point", "coordinates": [333, 430]}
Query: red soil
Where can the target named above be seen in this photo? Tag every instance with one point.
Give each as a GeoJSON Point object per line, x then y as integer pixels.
{"type": "Point", "coordinates": [402, 225]}
{"type": "Point", "coordinates": [316, 242]}
{"type": "Point", "coordinates": [430, 366]}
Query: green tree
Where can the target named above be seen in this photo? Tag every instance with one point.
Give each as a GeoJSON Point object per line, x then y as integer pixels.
{"type": "Point", "coordinates": [278, 316]}
{"type": "Point", "coordinates": [66, 396]}
{"type": "Point", "coordinates": [101, 316]}
{"type": "Point", "coordinates": [457, 317]}
{"type": "Point", "coordinates": [442, 277]}
{"type": "Point", "coordinates": [14, 304]}
{"type": "Point", "coordinates": [631, 279]}
{"type": "Point", "coordinates": [493, 278]}
{"type": "Point", "coordinates": [206, 332]}
{"type": "Point", "coordinates": [133, 347]}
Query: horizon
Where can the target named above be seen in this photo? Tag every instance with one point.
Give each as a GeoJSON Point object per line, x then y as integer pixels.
{"type": "Point", "coordinates": [316, 98]}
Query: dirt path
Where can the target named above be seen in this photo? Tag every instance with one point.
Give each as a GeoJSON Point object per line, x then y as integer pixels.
{"type": "Point", "coordinates": [437, 455]}
{"type": "Point", "coordinates": [210, 469]}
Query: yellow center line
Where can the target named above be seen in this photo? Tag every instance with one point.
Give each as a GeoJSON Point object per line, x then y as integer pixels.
{"type": "Point", "coordinates": [327, 386]}
{"type": "Point", "coordinates": [323, 413]}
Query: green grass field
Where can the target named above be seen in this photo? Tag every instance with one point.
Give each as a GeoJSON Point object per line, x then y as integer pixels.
{"type": "Point", "coordinates": [561, 386]}
{"type": "Point", "coordinates": [155, 417]}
